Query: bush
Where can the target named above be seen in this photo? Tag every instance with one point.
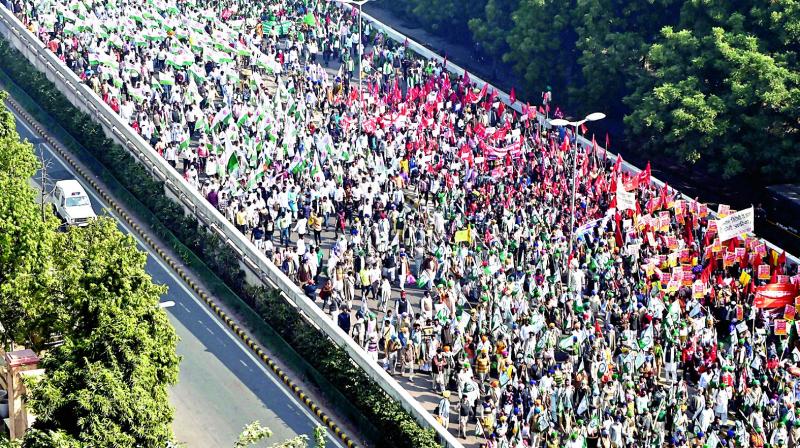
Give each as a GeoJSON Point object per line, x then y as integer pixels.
{"type": "Point", "coordinates": [396, 426]}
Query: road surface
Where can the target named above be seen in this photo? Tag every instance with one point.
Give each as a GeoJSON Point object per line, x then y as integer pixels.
{"type": "Point", "coordinates": [222, 386]}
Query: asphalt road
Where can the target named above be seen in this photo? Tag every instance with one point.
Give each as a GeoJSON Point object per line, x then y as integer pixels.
{"type": "Point", "coordinates": [222, 386]}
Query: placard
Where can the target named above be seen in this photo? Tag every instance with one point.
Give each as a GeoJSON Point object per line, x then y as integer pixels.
{"type": "Point", "coordinates": [698, 290]}
{"type": "Point", "coordinates": [687, 278]}
{"type": "Point", "coordinates": [761, 250]}
{"type": "Point", "coordinates": [763, 272]}
{"type": "Point", "coordinates": [626, 200]}
{"type": "Point", "coordinates": [789, 312]}
{"type": "Point", "coordinates": [739, 252]}
{"type": "Point", "coordinates": [728, 259]}
{"type": "Point", "coordinates": [663, 224]}
{"type": "Point", "coordinates": [780, 327]}
{"type": "Point", "coordinates": [723, 210]}
{"type": "Point", "coordinates": [783, 279]}
{"type": "Point", "coordinates": [673, 286]}
{"type": "Point", "coordinates": [672, 242]}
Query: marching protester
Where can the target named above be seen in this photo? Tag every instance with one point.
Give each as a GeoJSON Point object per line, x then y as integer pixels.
{"type": "Point", "coordinates": [649, 322]}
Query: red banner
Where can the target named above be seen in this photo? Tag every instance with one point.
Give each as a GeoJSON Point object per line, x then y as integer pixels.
{"type": "Point", "coordinates": [775, 295]}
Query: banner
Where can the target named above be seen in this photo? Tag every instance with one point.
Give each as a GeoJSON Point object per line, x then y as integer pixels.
{"type": "Point", "coordinates": [493, 152]}
{"type": "Point", "coordinates": [775, 295]}
{"type": "Point", "coordinates": [736, 224]}
{"type": "Point", "coordinates": [626, 200]}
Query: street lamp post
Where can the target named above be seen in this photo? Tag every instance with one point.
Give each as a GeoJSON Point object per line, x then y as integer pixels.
{"type": "Point", "coordinates": [360, 4]}
{"type": "Point", "coordinates": [576, 124]}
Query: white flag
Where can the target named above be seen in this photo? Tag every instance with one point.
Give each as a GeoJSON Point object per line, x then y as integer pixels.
{"type": "Point", "coordinates": [583, 406]}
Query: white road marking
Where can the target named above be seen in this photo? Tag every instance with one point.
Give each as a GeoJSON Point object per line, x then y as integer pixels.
{"type": "Point", "coordinates": [186, 289]}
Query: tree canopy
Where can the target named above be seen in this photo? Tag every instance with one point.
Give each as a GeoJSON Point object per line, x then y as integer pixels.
{"type": "Point", "coordinates": [713, 84]}
{"type": "Point", "coordinates": [106, 377]}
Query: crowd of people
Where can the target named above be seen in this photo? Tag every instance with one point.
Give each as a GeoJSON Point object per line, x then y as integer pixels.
{"type": "Point", "coordinates": [432, 221]}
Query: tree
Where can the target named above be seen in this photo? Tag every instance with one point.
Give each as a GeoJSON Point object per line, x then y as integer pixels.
{"type": "Point", "coordinates": [24, 236]}
{"type": "Point", "coordinates": [542, 45]}
{"type": "Point", "coordinates": [724, 90]}
{"type": "Point", "coordinates": [106, 385]}
{"type": "Point", "coordinates": [613, 37]}
{"type": "Point", "coordinates": [490, 28]}
{"type": "Point", "coordinates": [254, 432]}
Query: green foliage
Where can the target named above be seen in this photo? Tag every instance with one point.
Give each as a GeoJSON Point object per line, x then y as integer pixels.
{"type": "Point", "coordinates": [713, 83]}
{"type": "Point", "coordinates": [319, 437]}
{"type": "Point", "coordinates": [24, 237]}
{"type": "Point", "coordinates": [724, 90]}
{"type": "Point", "coordinates": [105, 382]}
{"type": "Point", "coordinates": [489, 28]}
{"type": "Point", "coordinates": [251, 434]}
{"type": "Point", "coordinates": [396, 426]}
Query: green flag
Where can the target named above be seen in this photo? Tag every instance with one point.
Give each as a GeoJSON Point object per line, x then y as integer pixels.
{"type": "Point", "coordinates": [309, 19]}
{"type": "Point", "coordinates": [242, 120]}
{"type": "Point", "coordinates": [233, 163]}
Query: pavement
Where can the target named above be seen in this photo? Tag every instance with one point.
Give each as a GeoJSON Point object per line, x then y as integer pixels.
{"type": "Point", "coordinates": [222, 386]}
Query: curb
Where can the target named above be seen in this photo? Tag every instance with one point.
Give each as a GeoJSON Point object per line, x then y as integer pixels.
{"type": "Point", "coordinates": [254, 347]}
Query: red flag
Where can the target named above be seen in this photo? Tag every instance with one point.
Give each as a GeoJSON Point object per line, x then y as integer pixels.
{"type": "Point", "coordinates": [644, 176]}
{"type": "Point", "coordinates": [663, 200]}
{"type": "Point", "coordinates": [594, 146]}
{"type": "Point", "coordinates": [565, 144]}
{"type": "Point", "coordinates": [705, 276]}
{"type": "Point", "coordinates": [617, 164]}
{"type": "Point", "coordinates": [466, 80]}
{"type": "Point", "coordinates": [781, 260]}
{"type": "Point", "coordinates": [690, 229]}
{"type": "Point", "coordinates": [618, 231]}
{"type": "Point", "coordinates": [482, 94]}
{"type": "Point", "coordinates": [512, 97]}
{"type": "Point", "coordinates": [583, 128]}
{"type": "Point", "coordinates": [470, 97]}
{"type": "Point", "coordinates": [444, 63]}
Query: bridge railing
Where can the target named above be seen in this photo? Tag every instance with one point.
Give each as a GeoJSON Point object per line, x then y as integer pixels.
{"type": "Point", "coordinates": [254, 261]}
{"type": "Point", "coordinates": [503, 96]}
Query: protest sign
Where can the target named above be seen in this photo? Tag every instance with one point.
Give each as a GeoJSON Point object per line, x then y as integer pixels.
{"type": "Point", "coordinates": [626, 200]}
{"type": "Point", "coordinates": [736, 224]}
{"type": "Point", "coordinates": [780, 327]}
{"type": "Point", "coordinates": [763, 272]}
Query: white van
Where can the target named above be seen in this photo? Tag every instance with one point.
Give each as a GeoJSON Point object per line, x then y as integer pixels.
{"type": "Point", "coordinates": [72, 203]}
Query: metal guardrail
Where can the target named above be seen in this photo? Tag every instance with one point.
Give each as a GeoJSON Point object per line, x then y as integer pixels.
{"type": "Point", "coordinates": [84, 98]}
{"type": "Point", "coordinates": [459, 71]}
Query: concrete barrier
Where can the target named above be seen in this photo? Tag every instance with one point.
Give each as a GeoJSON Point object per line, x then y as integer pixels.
{"type": "Point", "coordinates": [258, 268]}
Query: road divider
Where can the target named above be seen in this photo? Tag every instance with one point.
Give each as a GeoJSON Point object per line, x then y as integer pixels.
{"type": "Point", "coordinates": [182, 273]}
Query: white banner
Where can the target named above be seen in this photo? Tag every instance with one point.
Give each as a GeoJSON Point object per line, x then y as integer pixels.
{"type": "Point", "coordinates": [626, 200]}
{"type": "Point", "coordinates": [736, 224]}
